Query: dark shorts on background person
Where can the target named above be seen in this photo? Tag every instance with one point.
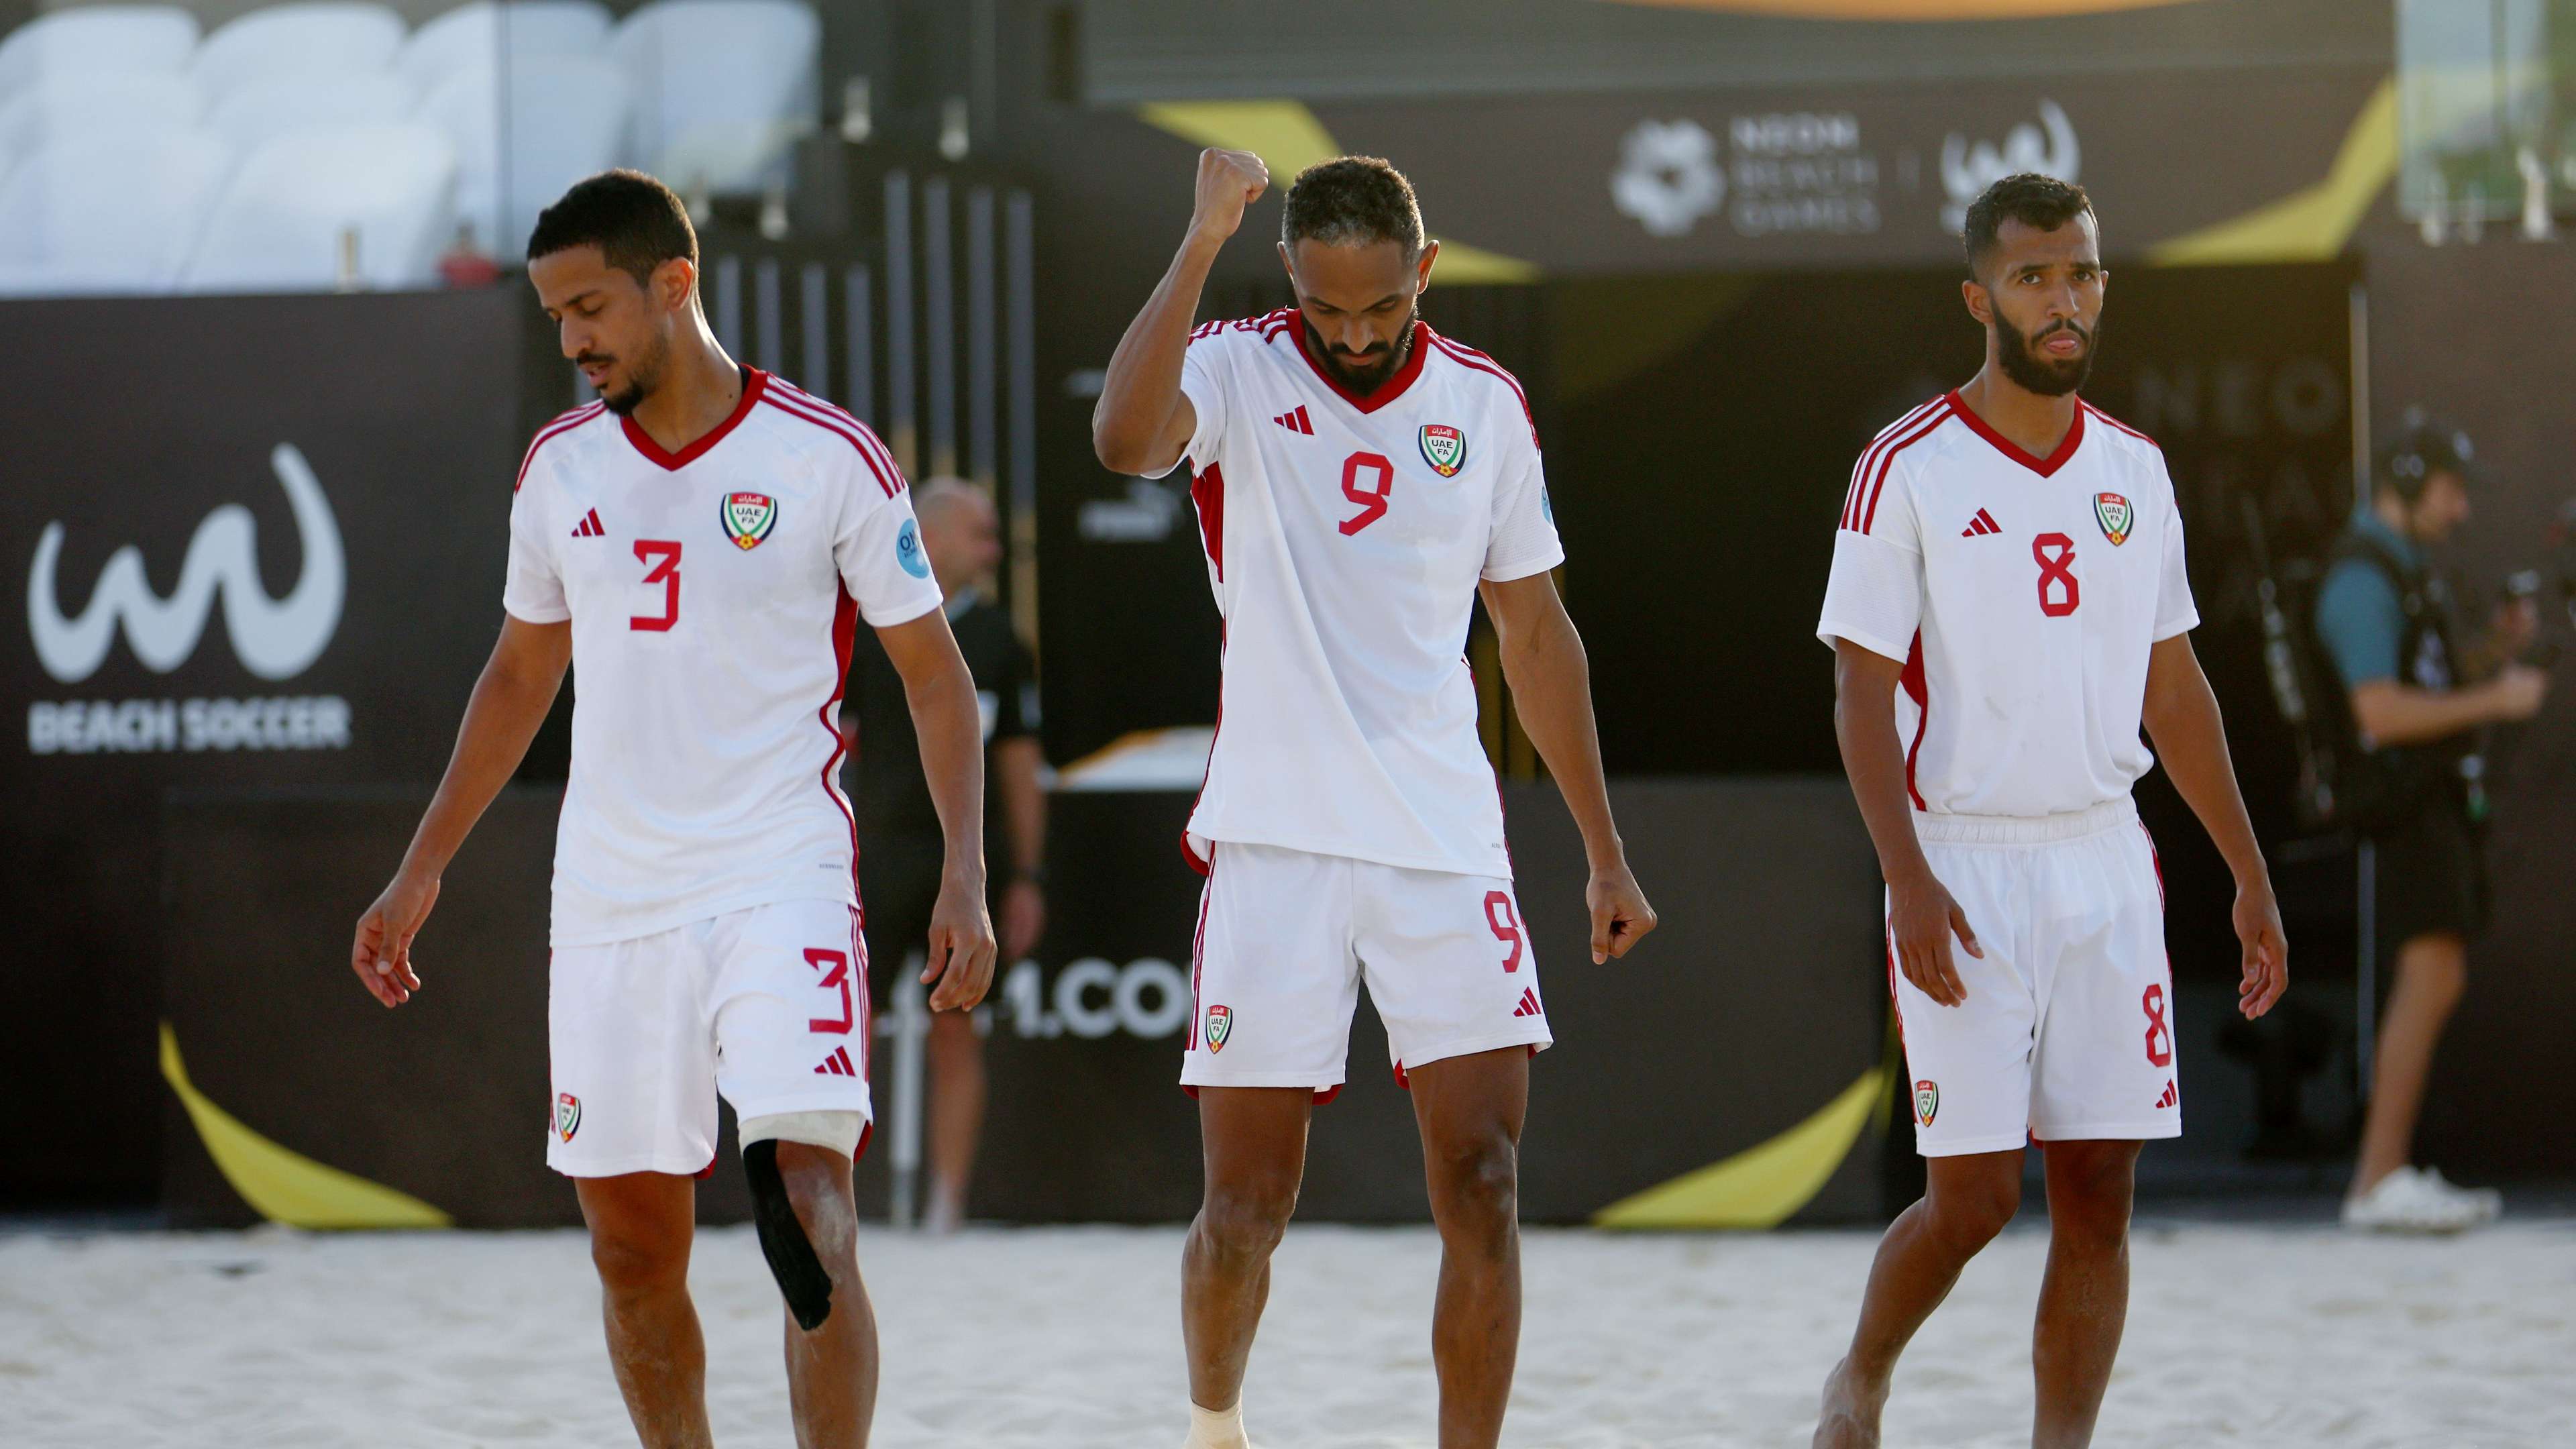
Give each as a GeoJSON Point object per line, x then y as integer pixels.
{"type": "Point", "coordinates": [899, 888]}
{"type": "Point", "coordinates": [2432, 878]}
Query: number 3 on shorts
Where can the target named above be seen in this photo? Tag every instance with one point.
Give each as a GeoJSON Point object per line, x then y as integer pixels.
{"type": "Point", "coordinates": [1506, 924]}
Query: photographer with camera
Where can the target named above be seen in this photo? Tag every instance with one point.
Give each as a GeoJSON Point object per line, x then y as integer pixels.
{"type": "Point", "coordinates": [2419, 705]}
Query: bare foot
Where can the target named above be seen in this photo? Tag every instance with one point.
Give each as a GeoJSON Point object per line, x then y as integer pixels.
{"type": "Point", "coordinates": [1849, 1416]}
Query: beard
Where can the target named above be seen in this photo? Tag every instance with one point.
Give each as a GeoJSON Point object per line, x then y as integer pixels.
{"type": "Point", "coordinates": [641, 378]}
{"type": "Point", "coordinates": [1355, 376]}
{"type": "Point", "coordinates": [2034, 371]}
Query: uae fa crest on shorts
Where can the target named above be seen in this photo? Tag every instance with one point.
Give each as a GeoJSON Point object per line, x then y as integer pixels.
{"type": "Point", "coordinates": [1444, 448]}
{"type": "Point", "coordinates": [567, 1115]}
{"type": "Point", "coordinates": [748, 517]}
{"type": "Point", "coordinates": [2115, 516]}
{"type": "Point", "coordinates": [1220, 1025]}
{"type": "Point", "coordinates": [1927, 1101]}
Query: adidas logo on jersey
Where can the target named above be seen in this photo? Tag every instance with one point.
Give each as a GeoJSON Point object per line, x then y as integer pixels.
{"type": "Point", "coordinates": [1981, 525]}
{"type": "Point", "coordinates": [1529, 1004]}
{"type": "Point", "coordinates": [837, 1064]}
{"type": "Point", "coordinates": [589, 527]}
{"type": "Point", "coordinates": [2171, 1098]}
{"type": "Point", "coordinates": [1294, 420]}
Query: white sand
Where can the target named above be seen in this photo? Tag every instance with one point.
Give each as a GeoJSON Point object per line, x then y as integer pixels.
{"type": "Point", "coordinates": [2279, 1337]}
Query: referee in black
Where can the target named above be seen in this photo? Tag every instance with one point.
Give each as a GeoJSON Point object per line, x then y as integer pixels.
{"type": "Point", "coordinates": [901, 848]}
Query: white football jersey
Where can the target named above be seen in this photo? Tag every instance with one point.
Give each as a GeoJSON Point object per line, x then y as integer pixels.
{"type": "Point", "coordinates": [1345, 536]}
{"type": "Point", "coordinates": [2023, 594]}
{"type": "Point", "coordinates": [713, 595]}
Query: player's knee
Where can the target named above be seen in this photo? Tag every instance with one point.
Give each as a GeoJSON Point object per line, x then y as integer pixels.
{"type": "Point", "coordinates": [634, 1261]}
{"type": "Point", "coordinates": [817, 1183]}
{"type": "Point", "coordinates": [1477, 1179]}
{"type": "Point", "coordinates": [1967, 1217]}
{"type": "Point", "coordinates": [1246, 1221]}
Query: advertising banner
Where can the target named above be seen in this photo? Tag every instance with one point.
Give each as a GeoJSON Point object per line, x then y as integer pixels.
{"type": "Point", "coordinates": [1735, 1072]}
{"type": "Point", "coordinates": [255, 541]}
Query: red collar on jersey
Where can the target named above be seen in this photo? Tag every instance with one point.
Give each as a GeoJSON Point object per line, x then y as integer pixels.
{"type": "Point", "coordinates": [1387, 391]}
{"type": "Point", "coordinates": [753, 380]}
{"type": "Point", "coordinates": [2010, 449]}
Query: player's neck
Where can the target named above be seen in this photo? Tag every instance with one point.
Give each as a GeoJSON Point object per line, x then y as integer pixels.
{"type": "Point", "coordinates": [701, 390]}
{"type": "Point", "coordinates": [2034, 422]}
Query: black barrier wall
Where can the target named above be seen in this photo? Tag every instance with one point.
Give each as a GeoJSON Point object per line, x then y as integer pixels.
{"type": "Point", "coordinates": [1760, 1001]}
{"type": "Point", "coordinates": [259, 542]}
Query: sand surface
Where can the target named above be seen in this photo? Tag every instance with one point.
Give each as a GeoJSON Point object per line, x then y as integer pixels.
{"type": "Point", "coordinates": [1068, 1338]}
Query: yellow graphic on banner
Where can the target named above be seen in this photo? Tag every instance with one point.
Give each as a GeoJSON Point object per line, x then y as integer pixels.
{"type": "Point", "coordinates": [1761, 1186]}
{"type": "Point", "coordinates": [1288, 139]}
{"type": "Point", "coordinates": [2310, 225]}
{"type": "Point", "coordinates": [284, 1186]}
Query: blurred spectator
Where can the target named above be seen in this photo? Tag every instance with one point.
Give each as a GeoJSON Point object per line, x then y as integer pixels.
{"type": "Point", "coordinates": [900, 852]}
{"type": "Point", "coordinates": [2386, 620]}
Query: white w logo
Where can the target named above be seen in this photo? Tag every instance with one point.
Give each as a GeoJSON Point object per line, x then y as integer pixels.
{"type": "Point", "coordinates": [275, 639]}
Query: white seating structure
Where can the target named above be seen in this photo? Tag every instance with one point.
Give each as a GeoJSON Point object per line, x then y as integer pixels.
{"type": "Point", "coordinates": [486, 33]}
{"type": "Point", "coordinates": [565, 117]}
{"type": "Point", "coordinates": [61, 233]}
{"type": "Point", "coordinates": [320, 144]}
{"type": "Point", "coordinates": [302, 200]}
{"type": "Point", "coordinates": [722, 88]}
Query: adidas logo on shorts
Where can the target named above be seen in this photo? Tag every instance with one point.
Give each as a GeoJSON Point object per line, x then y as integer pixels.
{"type": "Point", "coordinates": [1529, 1003]}
{"type": "Point", "coordinates": [837, 1064]}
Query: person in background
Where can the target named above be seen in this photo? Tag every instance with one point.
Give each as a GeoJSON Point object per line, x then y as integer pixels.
{"type": "Point", "coordinates": [2385, 620]}
{"type": "Point", "coordinates": [899, 871]}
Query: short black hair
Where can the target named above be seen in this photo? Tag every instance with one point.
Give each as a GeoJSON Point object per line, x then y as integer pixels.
{"type": "Point", "coordinates": [1353, 199]}
{"type": "Point", "coordinates": [2029, 198]}
{"type": "Point", "coordinates": [636, 222]}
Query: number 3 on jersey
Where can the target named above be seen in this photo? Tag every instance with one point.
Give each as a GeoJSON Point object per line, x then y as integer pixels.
{"type": "Point", "coordinates": [1371, 496]}
{"type": "Point", "coordinates": [667, 574]}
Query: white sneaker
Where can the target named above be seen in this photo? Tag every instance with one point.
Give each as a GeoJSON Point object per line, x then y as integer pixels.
{"type": "Point", "coordinates": [2408, 1201]}
{"type": "Point", "coordinates": [2488, 1201]}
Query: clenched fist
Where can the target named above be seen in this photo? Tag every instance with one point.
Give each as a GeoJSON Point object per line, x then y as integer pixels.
{"type": "Point", "coordinates": [1228, 182]}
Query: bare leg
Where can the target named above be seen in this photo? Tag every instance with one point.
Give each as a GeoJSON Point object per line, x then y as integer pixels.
{"type": "Point", "coordinates": [2432, 971]}
{"type": "Point", "coordinates": [1254, 1142]}
{"type": "Point", "coordinates": [956, 1113]}
{"type": "Point", "coordinates": [831, 1372]}
{"type": "Point", "coordinates": [640, 1225]}
{"type": "Point", "coordinates": [1966, 1201]}
{"type": "Point", "coordinates": [1470, 1111]}
{"type": "Point", "coordinates": [2084, 1299]}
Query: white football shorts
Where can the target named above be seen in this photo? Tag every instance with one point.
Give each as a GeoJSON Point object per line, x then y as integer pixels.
{"type": "Point", "coordinates": [1285, 938]}
{"type": "Point", "coordinates": [768, 1006]}
{"type": "Point", "coordinates": [2067, 1032]}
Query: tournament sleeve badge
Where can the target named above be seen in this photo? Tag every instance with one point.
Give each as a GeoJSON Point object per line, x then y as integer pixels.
{"type": "Point", "coordinates": [1444, 448]}
{"type": "Point", "coordinates": [2114, 514]}
{"type": "Point", "coordinates": [748, 518]}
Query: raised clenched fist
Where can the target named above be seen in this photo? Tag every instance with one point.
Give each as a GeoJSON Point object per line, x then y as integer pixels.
{"type": "Point", "coordinates": [1228, 182]}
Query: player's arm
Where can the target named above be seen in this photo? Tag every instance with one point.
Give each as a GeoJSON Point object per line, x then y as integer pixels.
{"type": "Point", "coordinates": [2181, 716]}
{"type": "Point", "coordinates": [1143, 421]}
{"type": "Point", "coordinates": [1921, 916]}
{"type": "Point", "coordinates": [510, 701]}
{"type": "Point", "coordinates": [1551, 680]}
{"type": "Point", "coordinates": [951, 729]}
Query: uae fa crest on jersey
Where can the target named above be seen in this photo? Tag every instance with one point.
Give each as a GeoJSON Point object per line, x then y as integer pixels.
{"type": "Point", "coordinates": [2115, 516]}
{"type": "Point", "coordinates": [748, 517]}
{"type": "Point", "coordinates": [1927, 1101]}
{"type": "Point", "coordinates": [1444, 448]}
{"type": "Point", "coordinates": [567, 1115]}
{"type": "Point", "coordinates": [1220, 1025]}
